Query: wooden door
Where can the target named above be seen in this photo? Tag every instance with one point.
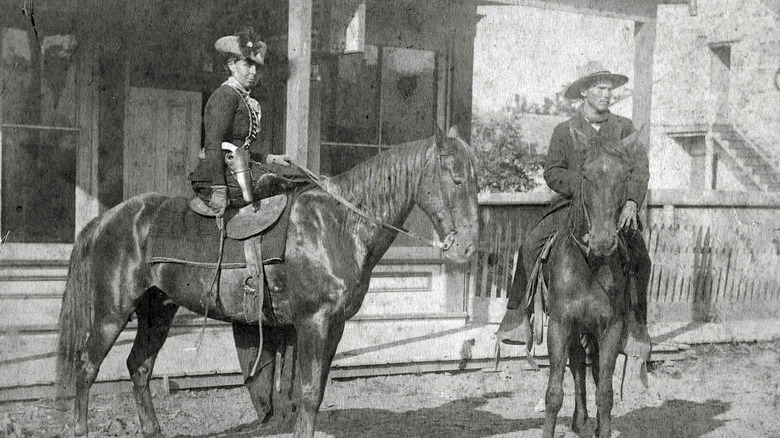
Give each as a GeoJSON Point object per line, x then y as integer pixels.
{"type": "Point", "coordinates": [162, 140]}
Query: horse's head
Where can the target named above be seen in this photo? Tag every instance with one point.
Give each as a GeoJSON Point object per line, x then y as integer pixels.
{"type": "Point", "coordinates": [448, 195]}
{"type": "Point", "coordinates": [603, 193]}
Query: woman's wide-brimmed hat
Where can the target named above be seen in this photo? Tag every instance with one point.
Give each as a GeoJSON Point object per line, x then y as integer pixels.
{"type": "Point", "coordinates": [589, 74]}
{"type": "Point", "coordinates": [246, 43]}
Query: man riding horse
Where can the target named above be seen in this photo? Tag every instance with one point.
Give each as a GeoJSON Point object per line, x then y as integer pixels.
{"type": "Point", "coordinates": [562, 172]}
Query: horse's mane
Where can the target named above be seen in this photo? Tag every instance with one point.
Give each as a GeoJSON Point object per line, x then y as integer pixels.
{"type": "Point", "coordinates": [379, 184]}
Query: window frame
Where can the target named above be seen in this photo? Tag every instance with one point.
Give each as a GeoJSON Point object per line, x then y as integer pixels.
{"type": "Point", "coordinates": [442, 82]}
{"type": "Point", "coordinates": [87, 206]}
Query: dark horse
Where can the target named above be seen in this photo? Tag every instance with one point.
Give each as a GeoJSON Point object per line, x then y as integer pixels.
{"type": "Point", "coordinates": [587, 287]}
{"type": "Point", "coordinates": [329, 256]}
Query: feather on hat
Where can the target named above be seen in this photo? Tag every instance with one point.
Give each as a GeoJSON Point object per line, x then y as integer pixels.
{"type": "Point", "coordinates": [246, 43]}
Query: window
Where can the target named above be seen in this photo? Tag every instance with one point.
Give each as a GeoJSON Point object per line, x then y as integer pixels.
{"type": "Point", "coordinates": [378, 98]}
{"type": "Point", "coordinates": [38, 132]}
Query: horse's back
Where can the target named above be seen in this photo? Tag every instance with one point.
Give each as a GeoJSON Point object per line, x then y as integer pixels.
{"type": "Point", "coordinates": [126, 223]}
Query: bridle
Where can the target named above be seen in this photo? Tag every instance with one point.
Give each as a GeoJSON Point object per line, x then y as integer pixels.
{"type": "Point", "coordinates": [583, 245]}
{"type": "Point", "coordinates": [449, 239]}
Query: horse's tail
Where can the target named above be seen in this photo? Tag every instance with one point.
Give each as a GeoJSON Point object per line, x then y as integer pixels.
{"type": "Point", "coordinates": [76, 315]}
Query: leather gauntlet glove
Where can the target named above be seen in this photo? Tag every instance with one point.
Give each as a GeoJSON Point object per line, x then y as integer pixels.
{"type": "Point", "coordinates": [219, 200]}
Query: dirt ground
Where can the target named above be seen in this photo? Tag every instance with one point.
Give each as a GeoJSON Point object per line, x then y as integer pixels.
{"type": "Point", "coordinates": [717, 391]}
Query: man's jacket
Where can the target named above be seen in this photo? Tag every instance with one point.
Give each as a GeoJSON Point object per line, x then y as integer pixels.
{"type": "Point", "coordinates": [565, 157]}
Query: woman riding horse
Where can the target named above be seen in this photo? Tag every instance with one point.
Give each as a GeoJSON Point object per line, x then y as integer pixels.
{"type": "Point", "coordinates": [563, 173]}
{"type": "Point", "coordinates": [233, 116]}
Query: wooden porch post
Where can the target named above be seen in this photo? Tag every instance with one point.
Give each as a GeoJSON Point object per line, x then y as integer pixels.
{"type": "Point", "coordinates": [644, 38]}
{"type": "Point", "coordinates": [299, 55]}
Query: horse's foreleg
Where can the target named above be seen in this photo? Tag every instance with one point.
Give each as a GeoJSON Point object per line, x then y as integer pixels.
{"type": "Point", "coordinates": [318, 337]}
{"type": "Point", "coordinates": [104, 332]}
{"type": "Point", "coordinates": [154, 320]}
{"type": "Point", "coordinates": [557, 349]}
{"type": "Point", "coordinates": [609, 346]}
{"type": "Point", "coordinates": [577, 366]}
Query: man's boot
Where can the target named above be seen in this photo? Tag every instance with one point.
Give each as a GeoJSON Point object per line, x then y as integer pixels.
{"type": "Point", "coordinates": [516, 328]}
{"type": "Point", "coordinates": [638, 342]}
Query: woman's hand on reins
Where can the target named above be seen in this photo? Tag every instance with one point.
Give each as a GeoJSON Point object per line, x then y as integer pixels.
{"type": "Point", "coordinates": [628, 216]}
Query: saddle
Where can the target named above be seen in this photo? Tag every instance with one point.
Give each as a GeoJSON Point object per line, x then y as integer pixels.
{"type": "Point", "coordinates": [536, 292]}
{"type": "Point", "coordinates": [249, 238]}
{"type": "Point", "coordinates": [251, 219]}
{"type": "Point", "coordinates": [179, 235]}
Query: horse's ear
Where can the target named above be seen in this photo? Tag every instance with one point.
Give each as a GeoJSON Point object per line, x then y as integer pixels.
{"type": "Point", "coordinates": [439, 135]}
{"type": "Point", "coordinates": [453, 132]}
{"type": "Point", "coordinates": [633, 138]}
{"type": "Point", "coordinates": [443, 141]}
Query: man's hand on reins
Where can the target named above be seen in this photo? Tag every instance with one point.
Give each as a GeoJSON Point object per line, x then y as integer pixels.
{"type": "Point", "coordinates": [628, 216]}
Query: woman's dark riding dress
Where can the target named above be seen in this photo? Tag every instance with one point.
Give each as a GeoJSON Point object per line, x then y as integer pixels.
{"type": "Point", "coordinates": [228, 117]}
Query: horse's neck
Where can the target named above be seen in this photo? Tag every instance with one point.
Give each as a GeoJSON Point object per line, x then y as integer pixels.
{"type": "Point", "coordinates": [384, 187]}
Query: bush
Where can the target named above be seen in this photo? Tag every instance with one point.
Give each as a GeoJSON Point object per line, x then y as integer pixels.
{"type": "Point", "coordinates": [505, 161]}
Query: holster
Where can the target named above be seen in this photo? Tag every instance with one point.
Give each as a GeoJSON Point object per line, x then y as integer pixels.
{"type": "Point", "coordinates": [237, 160]}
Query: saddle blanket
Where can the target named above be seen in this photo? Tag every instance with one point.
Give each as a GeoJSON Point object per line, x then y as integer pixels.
{"type": "Point", "coordinates": [179, 235]}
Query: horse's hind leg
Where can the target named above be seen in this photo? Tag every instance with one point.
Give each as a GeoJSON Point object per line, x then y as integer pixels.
{"type": "Point", "coordinates": [155, 316]}
{"type": "Point", "coordinates": [104, 332]}
{"type": "Point", "coordinates": [557, 349]}
{"type": "Point", "coordinates": [577, 366]}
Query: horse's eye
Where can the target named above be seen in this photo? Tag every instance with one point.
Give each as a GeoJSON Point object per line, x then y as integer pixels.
{"type": "Point", "coordinates": [457, 179]}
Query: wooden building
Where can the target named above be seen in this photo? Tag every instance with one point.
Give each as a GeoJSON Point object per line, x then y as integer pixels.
{"type": "Point", "coordinates": [102, 100]}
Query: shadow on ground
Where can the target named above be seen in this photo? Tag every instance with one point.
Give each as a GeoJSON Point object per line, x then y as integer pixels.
{"type": "Point", "coordinates": [464, 418]}
{"type": "Point", "coordinates": [677, 418]}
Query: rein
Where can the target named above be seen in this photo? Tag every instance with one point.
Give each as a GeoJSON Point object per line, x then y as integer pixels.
{"type": "Point", "coordinates": [583, 245]}
{"type": "Point", "coordinates": [321, 182]}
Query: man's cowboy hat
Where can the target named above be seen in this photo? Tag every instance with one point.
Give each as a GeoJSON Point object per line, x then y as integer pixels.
{"type": "Point", "coordinates": [246, 43]}
{"type": "Point", "coordinates": [589, 74]}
